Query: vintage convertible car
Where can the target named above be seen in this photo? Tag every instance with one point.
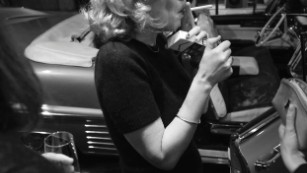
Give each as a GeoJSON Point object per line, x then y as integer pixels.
{"type": "Point", "coordinates": [65, 68]}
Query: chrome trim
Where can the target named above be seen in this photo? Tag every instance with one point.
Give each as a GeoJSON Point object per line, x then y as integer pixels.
{"type": "Point", "coordinates": [99, 143]}
{"type": "Point", "coordinates": [219, 161]}
{"type": "Point", "coordinates": [262, 123]}
{"type": "Point", "coordinates": [213, 153]}
{"type": "Point", "coordinates": [96, 132]}
{"type": "Point", "coordinates": [214, 156]}
{"type": "Point", "coordinates": [269, 159]}
{"type": "Point", "coordinates": [98, 138]}
{"type": "Point", "coordinates": [110, 153]}
{"type": "Point", "coordinates": [101, 148]}
{"type": "Point", "coordinates": [53, 110]}
{"type": "Point", "coordinates": [41, 132]}
{"type": "Point", "coordinates": [95, 126]}
{"type": "Point", "coordinates": [50, 114]}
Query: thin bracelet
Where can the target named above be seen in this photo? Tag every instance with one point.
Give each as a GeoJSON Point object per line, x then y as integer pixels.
{"type": "Point", "coordinates": [188, 121]}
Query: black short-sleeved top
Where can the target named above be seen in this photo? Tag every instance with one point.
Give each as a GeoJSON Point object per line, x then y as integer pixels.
{"type": "Point", "coordinates": [135, 86]}
{"type": "Point", "coordinates": [301, 169]}
{"type": "Point", "coordinates": [16, 158]}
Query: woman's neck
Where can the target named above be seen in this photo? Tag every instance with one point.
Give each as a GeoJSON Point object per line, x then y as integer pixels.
{"type": "Point", "coordinates": [147, 37]}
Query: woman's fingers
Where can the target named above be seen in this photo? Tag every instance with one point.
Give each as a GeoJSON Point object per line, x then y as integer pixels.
{"type": "Point", "coordinates": [193, 33]}
{"type": "Point", "coordinates": [223, 46]}
{"type": "Point", "coordinates": [228, 64]}
{"type": "Point", "coordinates": [228, 53]}
{"type": "Point", "coordinates": [197, 35]}
{"type": "Point", "coordinates": [202, 36]}
{"type": "Point", "coordinates": [229, 61]}
{"type": "Point", "coordinates": [212, 42]}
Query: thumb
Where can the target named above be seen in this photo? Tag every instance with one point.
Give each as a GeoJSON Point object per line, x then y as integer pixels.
{"type": "Point", "coordinates": [290, 118]}
{"type": "Point", "coordinates": [212, 42]}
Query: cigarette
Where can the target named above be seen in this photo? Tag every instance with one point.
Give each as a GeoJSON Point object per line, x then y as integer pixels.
{"type": "Point", "coordinates": [201, 7]}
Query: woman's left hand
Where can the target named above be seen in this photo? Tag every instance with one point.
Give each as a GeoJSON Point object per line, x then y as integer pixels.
{"type": "Point", "coordinates": [196, 34]}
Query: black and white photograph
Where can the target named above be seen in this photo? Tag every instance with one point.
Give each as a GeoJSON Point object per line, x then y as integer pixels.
{"type": "Point", "coordinates": [153, 86]}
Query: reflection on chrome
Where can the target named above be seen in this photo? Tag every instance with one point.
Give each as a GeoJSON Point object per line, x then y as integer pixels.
{"type": "Point", "coordinates": [260, 125]}
{"type": "Point", "coordinates": [54, 110]}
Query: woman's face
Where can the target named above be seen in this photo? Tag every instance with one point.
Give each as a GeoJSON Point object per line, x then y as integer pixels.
{"type": "Point", "coordinates": [169, 11]}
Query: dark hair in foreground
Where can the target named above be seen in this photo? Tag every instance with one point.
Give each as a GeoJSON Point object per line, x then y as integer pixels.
{"type": "Point", "coordinates": [20, 94]}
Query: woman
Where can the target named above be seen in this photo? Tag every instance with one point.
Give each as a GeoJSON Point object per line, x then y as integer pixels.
{"type": "Point", "coordinates": [20, 105]}
{"type": "Point", "coordinates": [150, 103]}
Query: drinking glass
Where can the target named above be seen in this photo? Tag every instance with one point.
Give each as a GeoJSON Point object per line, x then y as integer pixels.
{"type": "Point", "coordinates": [62, 142]}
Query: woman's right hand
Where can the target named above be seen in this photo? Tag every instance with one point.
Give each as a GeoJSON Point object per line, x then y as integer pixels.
{"type": "Point", "coordinates": [216, 61]}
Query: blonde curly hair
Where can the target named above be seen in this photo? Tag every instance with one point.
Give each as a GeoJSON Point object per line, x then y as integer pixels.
{"type": "Point", "coordinates": [119, 18]}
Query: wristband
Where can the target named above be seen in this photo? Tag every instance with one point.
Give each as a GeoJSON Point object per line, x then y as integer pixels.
{"type": "Point", "coordinates": [188, 121]}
